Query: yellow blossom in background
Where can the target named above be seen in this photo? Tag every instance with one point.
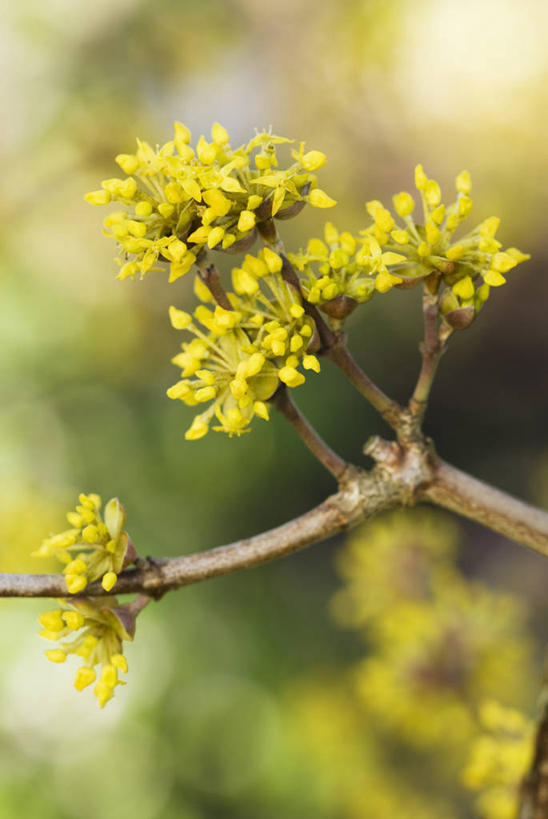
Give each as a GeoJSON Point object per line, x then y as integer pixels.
{"type": "Point", "coordinates": [499, 758]}
{"type": "Point", "coordinates": [179, 201]}
{"type": "Point", "coordinates": [94, 631]}
{"type": "Point", "coordinates": [94, 547]}
{"type": "Point", "coordinates": [436, 658]}
{"type": "Point", "coordinates": [395, 559]}
{"type": "Point", "coordinates": [354, 771]}
{"type": "Point", "coordinates": [439, 648]}
{"type": "Point", "coordinates": [441, 643]}
{"type": "Point", "coordinates": [25, 514]}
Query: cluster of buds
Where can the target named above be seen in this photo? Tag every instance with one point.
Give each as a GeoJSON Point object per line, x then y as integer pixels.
{"type": "Point", "coordinates": [343, 271]}
{"type": "Point", "coordinates": [178, 201]}
{"type": "Point", "coordinates": [93, 630]}
{"type": "Point", "coordinates": [437, 658]}
{"type": "Point", "coordinates": [346, 270]}
{"type": "Point", "coordinates": [466, 267]}
{"type": "Point", "coordinates": [92, 548]}
{"type": "Point", "coordinates": [241, 354]}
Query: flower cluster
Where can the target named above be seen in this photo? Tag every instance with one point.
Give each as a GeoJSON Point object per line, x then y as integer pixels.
{"type": "Point", "coordinates": [93, 630]}
{"type": "Point", "coordinates": [343, 270]}
{"type": "Point", "coordinates": [451, 644]}
{"type": "Point", "coordinates": [441, 644]}
{"type": "Point", "coordinates": [346, 270]}
{"type": "Point", "coordinates": [239, 356]}
{"type": "Point", "coordinates": [354, 773]}
{"type": "Point", "coordinates": [92, 548]}
{"type": "Point", "coordinates": [178, 200]}
{"type": "Point", "coordinates": [499, 759]}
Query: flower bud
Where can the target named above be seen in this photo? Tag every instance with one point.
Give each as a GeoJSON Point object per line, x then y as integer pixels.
{"type": "Point", "coordinates": [115, 517]}
{"type": "Point", "coordinates": [313, 160]}
{"type": "Point", "coordinates": [448, 302]}
{"type": "Point", "coordinates": [320, 199]}
{"type": "Point", "coordinates": [84, 677]}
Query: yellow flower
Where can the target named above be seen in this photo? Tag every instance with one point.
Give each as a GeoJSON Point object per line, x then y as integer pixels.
{"type": "Point", "coordinates": [438, 646]}
{"type": "Point", "coordinates": [238, 357]}
{"type": "Point", "coordinates": [96, 547]}
{"type": "Point", "coordinates": [94, 631]}
{"type": "Point", "coordinates": [291, 376]}
{"type": "Point", "coordinates": [465, 267]}
{"type": "Point", "coordinates": [500, 755]}
{"type": "Point", "coordinates": [177, 200]}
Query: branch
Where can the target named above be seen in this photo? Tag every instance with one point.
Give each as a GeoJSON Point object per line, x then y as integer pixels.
{"type": "Point", "coordinates": [474, 499]}
{"type": "Point", "coordinates": [403, 475]}
{"type": "Point", "coordinates": [362, 495]}
{"type": "Point", "coordinates": [326, 456]}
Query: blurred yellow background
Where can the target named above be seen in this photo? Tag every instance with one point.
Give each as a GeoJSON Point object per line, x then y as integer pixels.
{"type": "Point", "coordinates": [205, 729]}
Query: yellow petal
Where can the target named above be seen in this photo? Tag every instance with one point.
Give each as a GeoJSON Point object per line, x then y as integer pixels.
{"type": "Point", "coordinates": [319, 199]}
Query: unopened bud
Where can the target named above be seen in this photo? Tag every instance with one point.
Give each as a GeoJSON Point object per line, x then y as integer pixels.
{"type": "Point", "coordinates": [115, 517]}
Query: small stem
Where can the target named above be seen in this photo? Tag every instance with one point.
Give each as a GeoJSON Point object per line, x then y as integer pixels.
{"type": "Point", "coordinates": [389, 409]}
{"type": "Point", "coordinates": [209, 275]}
{"type": "Point", "coordinates": [431, 350]}
{"type": "Point", "coordinates": [318, 447]}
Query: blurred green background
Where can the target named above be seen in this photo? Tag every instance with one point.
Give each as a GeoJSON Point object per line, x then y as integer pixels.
{"type": "Point", "coordinates": [204, 728]}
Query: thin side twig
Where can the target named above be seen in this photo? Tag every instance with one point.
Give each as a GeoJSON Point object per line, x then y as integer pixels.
{"type": "Point", "coordinates": [431, 349]}
{"type": "Point", "coordinates": [389, 409]}
{"type": "Point", "coordinates": [315, 443]}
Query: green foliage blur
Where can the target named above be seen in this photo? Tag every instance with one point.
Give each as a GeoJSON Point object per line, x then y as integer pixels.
{"type": "Point", "coordinates": [207, 727]}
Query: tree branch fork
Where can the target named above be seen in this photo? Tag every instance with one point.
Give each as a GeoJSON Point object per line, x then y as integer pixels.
{"type": "Point", "coordinates": [404, 474]}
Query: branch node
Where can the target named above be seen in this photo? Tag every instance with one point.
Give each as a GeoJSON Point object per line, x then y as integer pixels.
{"type": "Point", "coordinates": [406, 466]}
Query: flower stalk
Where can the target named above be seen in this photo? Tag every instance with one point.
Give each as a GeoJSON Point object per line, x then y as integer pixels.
{"type": "Point", "coordinates": [431, 349]}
